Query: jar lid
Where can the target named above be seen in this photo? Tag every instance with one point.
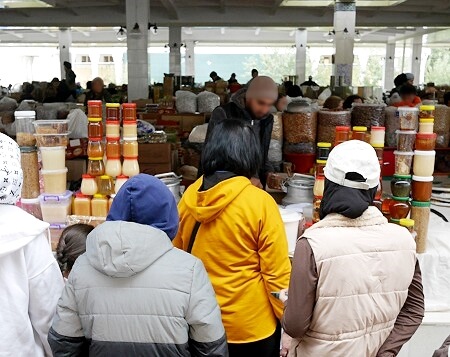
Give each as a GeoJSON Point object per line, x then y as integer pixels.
{"type": "Point", "coordinates": [130, 157]}
{"type": "Point", "coordinates": [112, 122]}
{"type": "Point", "coordinates": [113, 138]}
{"type": "Point", "coordinates": [95, 139]}
{"type": "Point", "coordinates": [130, 138]}
{"type": "Point", "coordinates": [426, 120]}
{"type": "Point", "coordinates": [95, 120]}
{"type": "Point", "coordinates": [130, 122]}
{"type": "Point", "coordinates": [55, 172]}
{"type": "Point", "coordinates": [25, 114]}
{"type": "Point", "coordinates": [427, 107]}
{"type": "Point", "coordinates": [321, 161]}
{"type": "Point", "coordinates": [408, 109]}
{"type": "Point", "coordinates": [27, 149]}
{"type": "Point", "coordinates": [407, 132]}
{"type": "Point", "coordinates": [52, 148]}
{"type": "Point", "coordinates": [105, 177]}
{"type": "Point", "coordinates": [426, 136]}
{"type": "Point", "coordinates": [94, 103]}
{"type": "Point", "coordinates": [360, 128]}
{"type": "Point", "coordinates": [402, 199]}
{"type": "Point", "coordinates": [80, 195]}
{"type": "Point", "coordinates": [393, 220]}
{"type": "Point", "coordinates": [377, 128]}
{"type": "Point", "coordinates": [423, 178]}
{"type": "Point", "coordinates": [402, 176]}
{"type": "Point", "coordinates": [99, 195]}
{"type": "Point", "coordinates": [377, 145]}
{"type": "Point", "coordinates": [122, 177]}
{"type": "Point", "coordinates": [95, 158]}
{"type": "Point", "coordinates": [407, 222]}
{"type": "Point", "coordinates": [129, 105]}
{"type": "Point", "coordinates": [112, 105]}
{"type": "Point", "coordinates": [342, 128]}
{"type": "Point", "coordinates": [86, 176]}
{"type": "Point", "coordinates": [424, 153]}
{"type": "Point", "coordinates": [323, 145]}
{"type": "Point", "coordinates": [404, 153]}
{"type": "Point", "coordinates": [420, 204]}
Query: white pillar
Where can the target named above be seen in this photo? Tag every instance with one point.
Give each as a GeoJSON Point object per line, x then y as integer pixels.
{"type": "Point", "coordinates": [389, 61]}
{"type": "Point", "coordinates": [190, 59]}
{"type": "Point", "coordinates": [344, 18]}
{"type": "Point", "coordinates": [118, 65]}
{"type": "Point", "coordinates": [301, 38]}
{"type": "Point", "coordinates": [94, 56]}
{"type": "Point", "coordinates": [175, 54]}
{"type": "Point", "coordinates": [416, 59]}
{"type": "Point", "coordinates": [137, 11]}
{"type": "Point", "coordinates": [65, 41]}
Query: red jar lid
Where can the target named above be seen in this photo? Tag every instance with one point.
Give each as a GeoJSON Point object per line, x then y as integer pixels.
{"type": "Point", "coordinates": [94, 103]}
{"type": "Point", "coordinates": [129, 105]}
{"type": "Point", "coordinates": [80, 195]}
{"type": "Point", "coordinates": [86, 176]}
{"type": "Point", "coordinates": [130, 157]}
{"type": "Point", "coordinates": [95, 139]}
{"type": "Point", "coordinates": [342, 128]}
{"type": "Point", "coordinates": [113, 139]}
{"type": "Point", "coordinates": [112, 122]}
{"type": "Point", "coordinates": [122, 177]}
{"type": "Point", "coordinates": [378, 128]}
{"type": "Point", "coordinates": [130, 121]}
{"type": "Point", "coordinates": [426, 136]}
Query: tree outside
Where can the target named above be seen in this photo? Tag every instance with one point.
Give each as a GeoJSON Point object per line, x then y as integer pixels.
{"type": "Point", "coordinates": [437, 66]}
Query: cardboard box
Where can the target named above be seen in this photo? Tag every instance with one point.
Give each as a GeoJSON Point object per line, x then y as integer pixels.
{"type": "Point", "coordinates": [155, 153]}
{"type": "Point", "coordinates": [190, 121]}
{"type": "Point", "coordinates": [76, 168]}
{"type": "Point", "coordinates": [168, 86]}
{"type": "Point", "coordinates": [155, 169]}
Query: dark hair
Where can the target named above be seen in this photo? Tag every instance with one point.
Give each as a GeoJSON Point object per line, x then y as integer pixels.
{"type": "Point", "coordinates": [71, 245]}
{"type": "Point", "coordinates": [407, 89]}
{"type": "Point", "coordinates": [232, 146]}
{"type": "Point", "coordinates": [446, 98]}
{"type": "Point", "coordinates": [67, 65]}
{"type": "Point", "coordinates": [89, 85]}
{"type": "Point", "coordinates": [332, 102]}
{"type": "Point", "coordinates": [294, 91]}
{"type": "Point", "coordinates": [350, 99]}
{"type": "Point", "coordinates": [213, 74]}
{"type": "Point", "coordinates": [254, 70]}
{"type": "Point", "coordinates": [400, 80]}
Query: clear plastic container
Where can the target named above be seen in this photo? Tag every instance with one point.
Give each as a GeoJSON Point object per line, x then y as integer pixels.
{"type": "Point", "coordinates": [82, 205]}
{"type": "Point", "coordinates": [422, 188]}
{"type": "Point", "coordinates": [53, 157]}
{"type": "Point", "coordinates": [56, 208]}
{"type": "Point", "coordinates": [377, 134]}
{"type": "Point", "coordinates": [130, 148]}
{"type": "Point", "coordinates": [424, 163]}
{"type": "Point", "coordinates": [24, 127]}
{"type": "Point", "coordinates": [409, 118]}
{"type": "Point", "coordinates": [426, 111]}
{"type": "Point", "coordinates": [426, 126]}
{"type": "Point", "coordinates": [96, 166]}
{"type": "Point", "coordinates": [55, 181]}
{"type": "Point", "coordinates": [113, 167]}
{"type": "Point", "coordinates": [32, 206]}
{"type": "Point", "coordinates": [51, 126]}
{"type": "Point", "coordinates": [403, 162]}
{"type": "Point", "coordinates": [425, 142]}
{"type": "Point", "coordinates": [129, 130]}
{"type": "Point", "coordinates": [99, 206]}
{"type": "Point", "coordinates": [120, 181]}
{"type": "Point", "coordinates": [89, 185]}
{"type": "Point", "coordinates": [130, 166]}
{"type": "Point", "coordinates": [405, 140]}
{"type": "Point", "coordinates": [48, 140]}
{"type": "Point", "coordinates": [30, 168]}
{"type": "Point", "coordinates": [95, 108]}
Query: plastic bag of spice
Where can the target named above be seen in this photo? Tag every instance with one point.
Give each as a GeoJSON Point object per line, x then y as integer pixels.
{"type": "Point", "coordinates": [186, 102]}
{"type": "Point", "coordinates": [207, 102]}
{"type": "Point", "coordinates": [364, 114]}
{"type": "Point", "coordinates": [327, 123]}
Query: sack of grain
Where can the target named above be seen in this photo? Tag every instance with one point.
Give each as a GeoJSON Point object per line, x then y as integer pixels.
{"type": "Point", "coordinates": [277, 131]}
{"type": "Point", "coordinates": [328, 121]}
{"type": "Point", "coordinates": [207, 102]}
{"type": "Point", "coordinates": [275, 151]}
{"type": "Point", "coordinates": [186, 102]}
{"type": "Point", "coordinates": [368, 115]}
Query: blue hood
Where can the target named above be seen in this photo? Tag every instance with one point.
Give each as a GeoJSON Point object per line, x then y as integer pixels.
{"type": "Point", "coordinates": [146, 200]}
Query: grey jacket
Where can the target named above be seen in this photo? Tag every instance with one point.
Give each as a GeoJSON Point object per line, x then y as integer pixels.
{"type": "Point", "coordinates": [133, 294]}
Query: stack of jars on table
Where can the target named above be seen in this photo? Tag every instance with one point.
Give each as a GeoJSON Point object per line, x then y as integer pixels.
{"type": "Point", "coordinates": [130, 166]}
{"type": "Point", "coordinates": [322, 153]}
{"type": "Point", "coordinates": [377, 136]}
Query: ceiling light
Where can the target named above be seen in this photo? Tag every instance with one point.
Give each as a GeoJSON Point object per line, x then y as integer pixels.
{"type": "Point", "coordinates": [257, 31]}
{"type": "Point", "coordinates": [155, 29]}
{"type": "Point", "coordinates": [357, 36]}
{"type": "Point", "coordinates": [222, 30]}
{"type": "Point", "coordinates": [330, 36]}
{"type": "Point", "coordinates": [121, 34]}
{"type": "Point", "coordinates": [135, 31]}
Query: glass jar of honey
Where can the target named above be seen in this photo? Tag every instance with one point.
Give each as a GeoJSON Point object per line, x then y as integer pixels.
{"type": "Point", "coordinates": [422, 187]}
{"type": "Point", "coordinates": [342, 134]}
{"type": "Point", "coordinates": [82, 205]}
{"type": "Point", "coordinates": [399, 207]}
{"type": "Point", "coordinates": [99, 206]}
{"type": "Point", "coordinates": [96, 166]}
{"type": "Point", "coordinates": [129, 130]}
{"type": "Point", "coordinates": [113, 111]}
{"type": "Point", "coordinates": [113, 148]}
{"type": "Point", "coordinates": [105, 185]}
{"type": "Point", "coordinates": [88, 185]}
{"type": "Point", "coordinates": [130, 148]}
{"type": "Point", "coordinates": [359, 133]}
{"type": "Point", "coordinates": [129, 112]}
{"type": "Point", "coordinates": [95, 128]}
{"type": "Point", "coordinates": [130, 166]}
{"type": "Point", "coordinates": [95, 108]}
{"type": "Point", "coordinates": [95, 147]}
{"type": "Point", "coordinates": [112, 128]}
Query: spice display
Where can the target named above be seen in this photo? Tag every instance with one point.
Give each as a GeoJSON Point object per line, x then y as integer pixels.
{"type": "Point", "coordinates": [377, 134]}
{"type": "Point", "coordinates": [420, 213]}
{"type": "Point", "coordinates": [426, 126]}
{"type": "Point", "coordinates": [401, 185]}
{"type": "Point", "coordinates": [55, 181]}
{"type": "Point", "coordinates": [24, 128]}
{"type": "Point", "coordinates": [53, 158]}
{"type": "Point", "coordinates": [112, 129]}
{"type": "Point", "coordinates": [425, 141]}
{"type": "Point", "coordinates": [319, 186]}
{"type": "Point", "coordinates": [399, 207]}
{"type": "Point", "coordinates": [342, 134]}
{"type": "Point", "coordinates": [95, 128]}
{"type": "Point", "coordinates": [51, 126]}
{"type": "Point", "coordinates": [82, 205]}
{"type": "Point", "coordinates": [129, 111]}
{"type": "Point", "coordinates": [277, 131]}
{"type": "Point", "coordinates": [113, 111]}
{"type": "Point", "coordinates": [51, 139]}
{"type": "Point", "coordinates": [95, 108]}
{"type": "Point", "coordinates": [323, 150]}
{"type": "Point", "coordinates": [300, 127]}
{"type": "Point", "coordinates": [120, 181]}
{"type": "Point", "coordinates": [422, 188]}
{"type": "Point", "coordinates": [424, 163]}
{"type": "Point", "coordinates": [88, 185]}
{"type": "Point", "coordinates": [129, 130]}
{"type": "Point", "coordinates": [368, 114]}
{"type": "Point", "coordinates": [96, 166]}
{"type": "Point", "coordinates": [327, 123]}
{"type": "Point", "coordinates": [403, 162]}
{"type": "Point", "coordinates": [113, 148]}
{"type": "Point", "coordinates": [105, 185]}
{"type": "Point", "coordinates": [426, 111]}
{"type": "Point", "coordinates": [207, 102]}
{"type": "Point", "coordinates": [442, 125]}
{"type": "Point", "coordinates": [95, 147]}
{"type": "Point", "coordinates": [392, 124]}
{"type": "Point", "coordinates": [130, 166]}
{"type": "Point", "coordinates": [113, 167]}
{"type": "Point", "coordinates": [130, 148]}
{"type": "Point", "coordinates": [56, 208]}
{"type": "Point", "coordinates": [99, 206]}
{"type": "Point", "coordinates": [30, 168]}
{"type": "Point", "coordinates": [359, 133]}
{"type": "Point", "coordinates": [408, 224]}
{"type": "Point", "coordinates": [301, 148]}
{"type": "Point", "coordinates": [409, 118]}
{"type": "Point", "coordinates": [406, 139]}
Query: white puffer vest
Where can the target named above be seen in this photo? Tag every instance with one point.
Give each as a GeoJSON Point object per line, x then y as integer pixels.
{"type": "Point", "coordinates": [365, 267]}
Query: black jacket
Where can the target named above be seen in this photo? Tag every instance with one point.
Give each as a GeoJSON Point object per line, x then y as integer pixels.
{"type": "Point", "coordinates": [236, 109]}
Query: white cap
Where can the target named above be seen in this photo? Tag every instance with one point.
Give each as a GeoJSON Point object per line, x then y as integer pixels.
{"type": "Point", "coordinates": [353, 156]}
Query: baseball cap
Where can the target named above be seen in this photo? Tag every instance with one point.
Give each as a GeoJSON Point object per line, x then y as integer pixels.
{"type": "Point", "coordinates": [353, 156]}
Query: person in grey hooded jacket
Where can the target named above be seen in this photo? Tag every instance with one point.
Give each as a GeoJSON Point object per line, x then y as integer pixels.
{"type": "Point", "coordinates": [132, 293]}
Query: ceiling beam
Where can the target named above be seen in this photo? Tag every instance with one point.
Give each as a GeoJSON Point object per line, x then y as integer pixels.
{"type": "Point", "coordinates": [222, 7]}
{"type": "Point", "coordinates": [171, 8]}
{"type": "Point", "coordinates": [276, 5]}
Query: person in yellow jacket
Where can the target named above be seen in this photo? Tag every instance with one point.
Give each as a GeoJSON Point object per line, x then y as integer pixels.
{"type": "Point", "coordinates": [236, 229]}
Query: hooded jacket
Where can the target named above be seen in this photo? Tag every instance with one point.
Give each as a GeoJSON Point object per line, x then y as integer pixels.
{"type": "Point", "coordinates": [30, 284]}
{"type": "Point", "coordinates": [236, 109]}
{"type": "Point", "coordinates": [133, 294]}
{"type": "Point", "coordinates": [242, 242]}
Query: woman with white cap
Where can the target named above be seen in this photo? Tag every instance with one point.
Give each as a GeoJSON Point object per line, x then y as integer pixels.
{"type": "Point", "coordinates": [355, 286]}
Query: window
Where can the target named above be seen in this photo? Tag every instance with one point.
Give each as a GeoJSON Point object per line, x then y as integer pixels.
{"type": "Point", "coordinates": [83, 59]}
{"type": "Point", "coordinates": [107, 59]}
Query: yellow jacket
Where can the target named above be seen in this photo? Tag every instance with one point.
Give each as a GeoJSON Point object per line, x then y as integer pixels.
{"type": "Point", "coordinates": [242, 243]}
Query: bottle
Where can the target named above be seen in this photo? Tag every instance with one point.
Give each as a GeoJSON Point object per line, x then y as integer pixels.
{"type": "Point", "coordinates": [99, 206]}
{"type": "Point", "coordinates": [120, 181]}
{"type": "Point", "coordinates": [113, 111]}
{"type": "Point", "coordinates": [95, 147]}
{"type": "Point", "coordinates": [95, 128]}
{"type": "Point", "coordinates": [129, 111]}
{"type": "Point", "coordinates": [319, 185]}
{"type": "Point", "coordinates": [95, 108]}
{"type": "Point", "coordinates": [88, 185]}
{"type": "Point", "coordinates": [96, 166]}
{"type": "Point", "coordinates": [323, 150]}
{"type": "Point", "coordinates": [130, 147]}
{"type": "Point", "coordinates": [130, 166]}
{"type": "Point", "coordinates": [359, 133]}
{"type": "Point", "coordinates": [105, 186]}
{"type": "Point", "coordinates": [81, 205]}
{"type": "Point", "coordinates": [342, 134]}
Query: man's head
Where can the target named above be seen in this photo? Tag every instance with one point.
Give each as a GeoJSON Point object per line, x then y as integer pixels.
{"type": "Point", "coordinates": [410, 78]}
{"type": "Point", "coordinates": [213, 75]}
{"type": "Point", "coordinates": [254, 73]}
{"type": "Point", "coordinates": [97, 85]}
{"type": "Point", "coordinates": [144, 199]}
{"type": "Point", "coordinates": [11, 175]}
{"type": "Point", "coordinates": [400, 80]}
{"type": "Point", "coordinates": [67, 65]}
{"type": "Point", "coordinates": [261, 95]}
{"type": "Point", "coordinates": [407, 93]}
{"type": "Point", "coordinates": [447, 99]}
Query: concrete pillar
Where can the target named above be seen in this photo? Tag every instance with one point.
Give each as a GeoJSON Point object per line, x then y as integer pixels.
{"type": "Point", "coordinates": [137, 11]}
{"type": "Point", "coordinates": [118, 65]}
{"type": "Point", "coordinates": [94, 56]}
{"type": "Point", "coordinates": [416, 59]}
{"type": "Point", "coordinates": [389, 61]}
{"type": "Point", "coordinates": [65, 41]}
{"type": "Point", "coordinates": [301, 38]}
{"type": "Point", "coordinates": [344, 18]}
{"type": "Point", "coordinates": [175, 54]}
{"type": "Point", "coordinates": [189, 63]}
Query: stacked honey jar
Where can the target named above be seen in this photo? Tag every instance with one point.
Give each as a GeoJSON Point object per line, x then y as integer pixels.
{"type": "Point", "coordinates": [106, 173]}
{"type": "Point", "coordinates": [322, 152]}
